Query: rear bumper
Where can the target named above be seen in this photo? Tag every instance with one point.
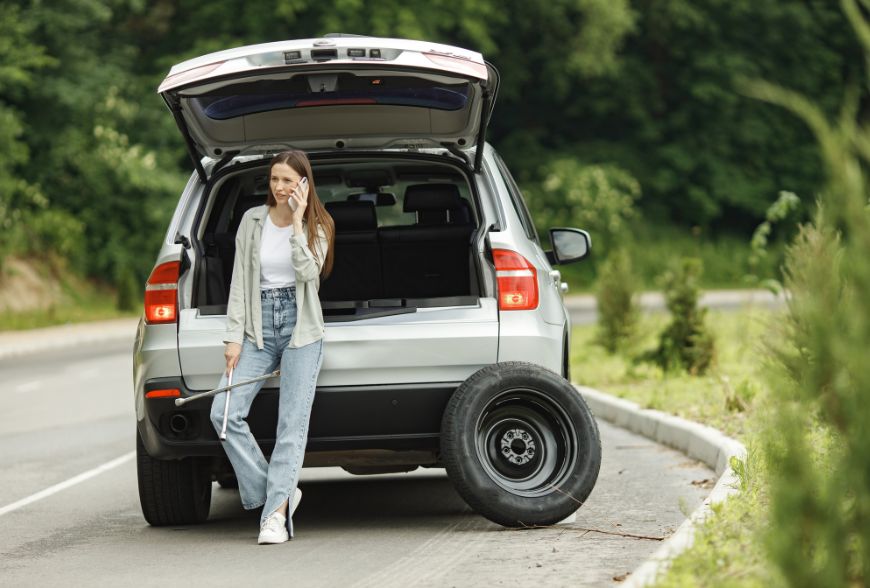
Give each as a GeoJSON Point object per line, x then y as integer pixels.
{"type": "Point", "coordinates": [395, 418]}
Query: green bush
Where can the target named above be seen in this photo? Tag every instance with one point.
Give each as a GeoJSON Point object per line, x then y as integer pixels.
{"type": "Point", "coordinates": [819, 446]}
{"type": "Point", "coordinates": [617, 308]}
{"type": "Point", "coordinates": [598, 198]}
{"type": "Point", "coordinates": [787, 203]}
{"type": "Point", "coordinates": [30, 227]}
{"type": "Point", "coordinates": [685, 343]}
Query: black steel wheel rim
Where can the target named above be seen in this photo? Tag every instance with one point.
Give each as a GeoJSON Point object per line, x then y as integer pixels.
{"type": "Point", "coordinates": [526, 442]}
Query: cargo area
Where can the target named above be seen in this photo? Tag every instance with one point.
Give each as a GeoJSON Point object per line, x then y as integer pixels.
{"type": "Point", "coordinates": [406, 229]}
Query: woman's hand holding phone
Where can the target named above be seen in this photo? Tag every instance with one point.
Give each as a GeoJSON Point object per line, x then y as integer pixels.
{"type": "Point", "coordinates": [299, 199]}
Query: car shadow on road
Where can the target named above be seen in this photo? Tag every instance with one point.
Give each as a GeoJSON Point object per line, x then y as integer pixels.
{"type": "Point", "coordinates": [371, 502]}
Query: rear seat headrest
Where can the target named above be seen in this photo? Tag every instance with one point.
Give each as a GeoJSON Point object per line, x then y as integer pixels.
{"type": "Point", "coordinates": [353, 215]}
{"type": "Point", "coordinates": [419, 197]}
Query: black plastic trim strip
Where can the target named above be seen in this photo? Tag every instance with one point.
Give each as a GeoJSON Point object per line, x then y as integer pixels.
{"type": "Point", "coordinates": [188, 140]}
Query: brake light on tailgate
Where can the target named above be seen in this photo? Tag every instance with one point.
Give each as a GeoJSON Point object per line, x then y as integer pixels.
{"type": "Point", "coordinates": [517, 281]}
{"type": "Point", "coordinates": [161, 294]}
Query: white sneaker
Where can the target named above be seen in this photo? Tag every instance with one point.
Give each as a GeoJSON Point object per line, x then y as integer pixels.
{"type": "Point", "coordinates": [273, 530]}
{"type": "Point", "coordinates": [297, 498]}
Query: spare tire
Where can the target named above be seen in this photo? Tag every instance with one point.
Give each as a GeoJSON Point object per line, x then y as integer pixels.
{"type": "Point", "coordinates": [520, 445]}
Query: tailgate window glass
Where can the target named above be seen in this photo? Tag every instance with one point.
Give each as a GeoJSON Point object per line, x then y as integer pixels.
{"type": "Point", "coordinates": [331, 90]}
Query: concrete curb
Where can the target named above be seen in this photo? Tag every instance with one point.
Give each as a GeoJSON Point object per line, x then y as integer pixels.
{"type": "Point", "coordinates": [14, 344]}
{"type": "Point", "coordinates": [700, 442]}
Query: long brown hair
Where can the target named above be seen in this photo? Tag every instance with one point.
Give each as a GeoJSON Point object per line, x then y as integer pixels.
{"type": "Point", "coordinates": [315, 212]}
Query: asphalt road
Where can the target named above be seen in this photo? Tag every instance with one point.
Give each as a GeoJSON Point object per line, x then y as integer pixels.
{"type": "Point", "coordinates": [66, 413]}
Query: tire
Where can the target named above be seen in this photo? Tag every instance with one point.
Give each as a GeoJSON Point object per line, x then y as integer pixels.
{"type": "Point", "coordinates": [520, 445]}
{"type": "Point", "coordinates": [172, 492]}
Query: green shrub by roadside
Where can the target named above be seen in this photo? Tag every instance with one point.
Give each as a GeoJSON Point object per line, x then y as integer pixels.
{"type": "Point", "coordinates": [685, 343]}
{"type": "Point", "coordinates": [779, 211]}
{"type": "Point", "coordinates": [617, 306]}
{"type": "Point", "coordinates": [820, 451]}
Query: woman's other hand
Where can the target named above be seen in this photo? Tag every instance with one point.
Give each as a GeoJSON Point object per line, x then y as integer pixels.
{"type": "Point", "coordinates": [232, 353]}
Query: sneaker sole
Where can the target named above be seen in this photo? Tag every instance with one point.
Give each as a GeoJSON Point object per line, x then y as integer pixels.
{"type": "Point", "coordinates": [271, 542]}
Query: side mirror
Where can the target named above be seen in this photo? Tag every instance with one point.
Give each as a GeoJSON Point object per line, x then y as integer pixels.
{"type": "Point", "coordinates": [569, 245]}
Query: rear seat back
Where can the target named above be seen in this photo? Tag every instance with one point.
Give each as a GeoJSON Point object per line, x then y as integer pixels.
{"type": "Point", "coordinates": [356, 272]}
{"type": "Point", "coordinates": [430, 258]}
{"type": "Point", "coordinates": [220, 249]}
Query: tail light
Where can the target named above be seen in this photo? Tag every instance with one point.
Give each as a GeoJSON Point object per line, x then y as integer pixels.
{"type": "Point", "coordinates": [164, 393]}
{"type": "Point", "coordinates": [517, 281]}
{"type": "Point", "coordinates": [161, 294]}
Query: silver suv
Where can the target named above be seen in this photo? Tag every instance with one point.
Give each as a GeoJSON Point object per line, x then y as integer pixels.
{"type": "Point", "coordinates": [447, 340]}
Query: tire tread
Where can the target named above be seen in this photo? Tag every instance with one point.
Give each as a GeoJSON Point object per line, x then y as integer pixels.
{"type": "Point", "coordinates": [168, 492]}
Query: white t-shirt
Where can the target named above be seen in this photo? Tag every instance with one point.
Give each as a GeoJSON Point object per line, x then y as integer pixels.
{"type": "Point", "coordinates": [276, 269]}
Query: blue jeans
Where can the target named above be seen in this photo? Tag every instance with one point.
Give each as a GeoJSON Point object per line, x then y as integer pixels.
{"type": "Point", "coordinates": [263, 483]}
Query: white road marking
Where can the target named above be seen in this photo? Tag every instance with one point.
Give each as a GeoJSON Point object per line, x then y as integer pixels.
{"type": "Point", "coordinates": [28, 386]}
{"type": "Point", "coordinates": [68, 483]}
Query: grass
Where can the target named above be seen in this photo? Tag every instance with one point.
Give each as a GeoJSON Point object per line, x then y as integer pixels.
{"type": "Point", "coordinates": [61, 315]}
{"type": "Point", "coordinates": [723, 398]}
{"type": "Point", "coordinates": [76, 300]}
{"type": "Point", "coordinates": [732, 397]}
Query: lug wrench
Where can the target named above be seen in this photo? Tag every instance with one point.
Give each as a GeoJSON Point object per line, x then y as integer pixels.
{"type": "Point", "coordinates": [227, 389]}
{"type": "Point", "coordinates": [223, 435]}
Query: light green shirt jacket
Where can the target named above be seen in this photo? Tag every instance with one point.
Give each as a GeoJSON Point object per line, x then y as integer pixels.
{"type": "Point", "coordinates": [244, 312]}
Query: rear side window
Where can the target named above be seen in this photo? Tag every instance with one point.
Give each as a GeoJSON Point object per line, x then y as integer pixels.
{"type": "Point", "coordinates": [517, 201]}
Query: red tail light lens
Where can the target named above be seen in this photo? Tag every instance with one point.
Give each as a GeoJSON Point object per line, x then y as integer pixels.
{"type": "Point", "coordinates": [517, 281]}
{"type": "Point", "coordinates": [167, 393]}
{"type": "Point", "coordinates": [161, 294]}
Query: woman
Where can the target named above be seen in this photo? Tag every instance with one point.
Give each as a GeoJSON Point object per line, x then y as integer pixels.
{"type": "Point", "coordinates": [274, 318]}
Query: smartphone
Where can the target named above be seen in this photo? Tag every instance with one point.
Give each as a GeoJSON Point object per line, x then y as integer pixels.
{"type": "Point", "coordinates": [291, 202]}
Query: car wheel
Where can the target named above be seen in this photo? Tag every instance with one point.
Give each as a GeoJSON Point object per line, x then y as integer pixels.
{"type": "Point", "coordinates": [520, 444]}
{"type": "Point", "coordinates": [172, 492]}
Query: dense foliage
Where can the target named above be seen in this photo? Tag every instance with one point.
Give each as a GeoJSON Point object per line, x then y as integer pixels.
{"type": "Point", "coordinates": [820, 446]}
{"type": "Point", "coordinates": [645, 88]}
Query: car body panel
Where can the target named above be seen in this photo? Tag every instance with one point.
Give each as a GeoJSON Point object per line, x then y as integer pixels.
{"type": "Point", "coordinates": [430, 345]}
{"type": "Point", "coordinates": [154, 352]}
